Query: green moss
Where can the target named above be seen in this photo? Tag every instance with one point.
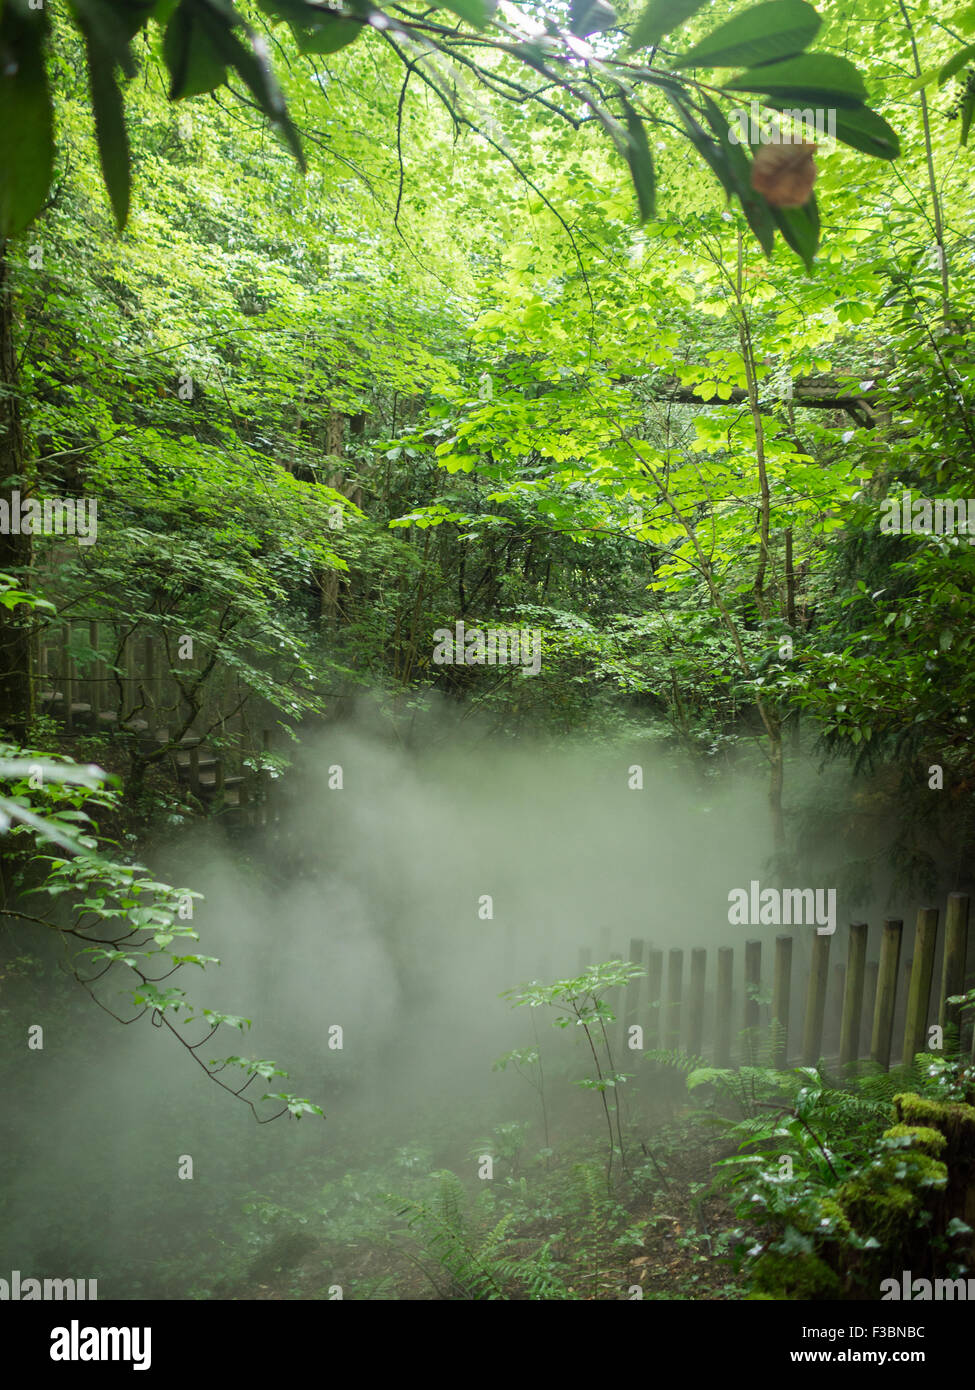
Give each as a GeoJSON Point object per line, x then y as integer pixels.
{"type": "Point", "coordinates": [827, 1209]}
{"type": "Point", "coordinates": [930, 1141]}
{"type": "Point", "coordinates": [793, 1276]}
{"type": "Point", "coordinates": [883, 1201]}
{"type": "Point", "coordinates": [880, 1212]}
{"type": "Point", "coordinates": [948, 1116]}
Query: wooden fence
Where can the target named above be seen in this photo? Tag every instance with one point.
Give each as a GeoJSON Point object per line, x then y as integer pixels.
{"type": "Point", "coordinates": [93, 677]}
{"type": "Point", "coordinates": [854, 1009]}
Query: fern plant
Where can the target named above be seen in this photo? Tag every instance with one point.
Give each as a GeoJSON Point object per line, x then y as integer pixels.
{"type": "Point", "coordinates": [539, 1275]}
{"type": "Point", "coordinates": [596, 1218]}
{"type": "Point", "coordinates": [464, 1256]}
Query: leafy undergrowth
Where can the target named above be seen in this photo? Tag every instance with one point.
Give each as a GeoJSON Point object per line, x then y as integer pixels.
{"type": "Point", "coordinates": [824, 1191]}
{"type": "Point", "coordinates": [547, 1229]}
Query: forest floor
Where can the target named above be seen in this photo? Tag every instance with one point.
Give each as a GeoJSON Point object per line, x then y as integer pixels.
{"type": "Point", "coordinates": [660, 1229]}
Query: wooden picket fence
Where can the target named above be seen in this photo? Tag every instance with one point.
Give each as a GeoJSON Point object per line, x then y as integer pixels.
{"type": "Point", "coordinates": [881, 1009]}
{"type": "Point", "coordinates": [92, 677]}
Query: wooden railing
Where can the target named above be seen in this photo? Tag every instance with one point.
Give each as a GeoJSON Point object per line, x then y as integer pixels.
{"type": "Point", "coordinates": [94, 678]}
{"type": "Point", "coordinates": [884, 1009]}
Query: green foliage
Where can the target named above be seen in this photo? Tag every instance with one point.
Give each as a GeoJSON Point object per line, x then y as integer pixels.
{"type": "Point", "coordinates": [120, 928]}
{"type": "Point", "coordinates": [579, 1003]}
{"type": "Point", "coordinates": [325, 414]}
{"type": "Point", "coordinates": [465, 1251]}
{"type": "Point", "coordinates": [204, 43]}
{"type": "Point", "coordinates": [833, 1195]}
{"type": "Point", "coordinates": [66, 787]}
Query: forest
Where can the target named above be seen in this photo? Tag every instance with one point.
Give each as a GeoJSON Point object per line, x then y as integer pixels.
{"type": "Point", "coordinates": [487, 699]}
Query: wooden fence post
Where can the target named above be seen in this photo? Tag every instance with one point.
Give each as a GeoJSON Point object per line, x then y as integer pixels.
{"type": "Point", "coordinates": [956, 949]}
{"type": "Point", "coordinates": [781, 1000]}
{"type": "Point", "coordinates": [675, 984]}
{"type": "Point", "coordinates": [151, 681]}
{"type": "Point", "coordinates": [655, 974]}
{"type": "Point", "coordinates": [753, 983]}
{"type": "Point", "coordinates": [850, 1023]}
{"type": "Point", "coordinates": [919, 990]}
{"type": "Point", "coordinates": [883, 1014]}
{"type": "Point", "coordinates": [723, 1007]}
{"type": "Point", "coordinates": [812, 1030]}
{"type": "Point", "coordinates": [695, 1002]}
{"type": "Point", "coordinates": [130, 667]}
{"type": "Point", "coordinates": [630, 1002]}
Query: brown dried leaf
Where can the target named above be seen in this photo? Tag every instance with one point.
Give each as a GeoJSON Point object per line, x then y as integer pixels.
{"type": "Point", "coordinates": [785, 174]}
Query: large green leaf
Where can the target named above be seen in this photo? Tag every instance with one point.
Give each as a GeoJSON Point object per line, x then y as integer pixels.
{"type": "Point", "coordinates": [959, 60]}
{"type": "Point", "coordinates": [110, 132]}
{"type": "Point", "coordinates": [110, 25]}
{"type": "Point", "coordinates": [662, 17]}
{"type": "Point", "coordinates": [474, 11]}
{"type": "Point", "coordinates": [967, 112]}
{"type": "Point", "coordinates": [866, 131]}
{"type": "Point", "coordinates": [665, 82]}
{"type": "Point", "coordinates": [328, 37]}
{"type": "Point", "coordinates": [195, 66]}
{"type": "Point", "coordinates": [754, 206]}
{"type": "Point", "coordinates": [250, 64]}
{"type": "Point", "coordinates": [800, 229]}
{"type": "Point", "coordinates": [708, 148]}
{"type": "Point", "coordinates": [819, 77]}
{"type": "Point", "coordinates": [107, 27]}
{"type": "Point", "coordinates": [766, 33]}
{"type": "Point", "coordinates": [640, 160]}
{"type": "Point", "coordinates": [316, 29]}
{"type": "Point", "coordinates": [27, 147]}
{"type": "Point", "coordinates": [856, 126]}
